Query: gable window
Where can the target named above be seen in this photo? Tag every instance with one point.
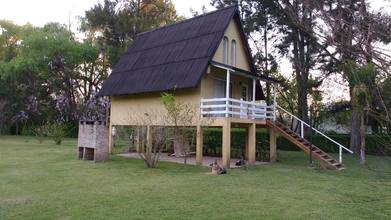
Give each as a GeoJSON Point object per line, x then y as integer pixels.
{"type": "Point", "coordinates": [225, 50]}
{"type": "Point", "coordinates": [233, 53]}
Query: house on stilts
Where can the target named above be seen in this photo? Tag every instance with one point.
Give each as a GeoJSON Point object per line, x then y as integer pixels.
{"type": "Point", "coordinates": [207, 61]}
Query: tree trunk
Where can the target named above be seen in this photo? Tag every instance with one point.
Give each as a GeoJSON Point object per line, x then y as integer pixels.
{"type": "Point", "coordinates": [181, 145]}
{"type": "Point", "coordinates": [267, 73]}
{"type": "Point", "coordinates": [362, 136]}
{"type": "Point", "coordinates": [355, 139]}
{"type": "Point", "coordinates": [303, 103]}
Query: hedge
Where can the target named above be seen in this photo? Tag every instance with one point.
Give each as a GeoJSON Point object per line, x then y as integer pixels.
{"type": "Point", "coordinates": [376, 144]}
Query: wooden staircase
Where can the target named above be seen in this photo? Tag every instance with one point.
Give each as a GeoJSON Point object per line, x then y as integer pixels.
{"type": "Point", "coordinates": [326, 161]}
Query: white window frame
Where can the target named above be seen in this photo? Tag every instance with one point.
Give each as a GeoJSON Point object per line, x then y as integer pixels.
{"type": "Point", "coordinates": [225, 49]}
{"type": "Point", "coordinates": [233, 53]}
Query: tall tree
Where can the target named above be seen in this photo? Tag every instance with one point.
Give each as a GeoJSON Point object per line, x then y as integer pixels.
{"type": "Point", "coordinates": [51, 75]}
{"type": "Point", "coordinates": [361, 79]}
{"type": "Point", "coordinates": [346, 30]}
{"type": "Point", "coordinates": [115, 23]}
{"type": "Point", "coordinates": [353, 32]}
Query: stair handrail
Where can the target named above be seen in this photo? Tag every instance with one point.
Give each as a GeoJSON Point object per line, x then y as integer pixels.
{"type": "Point", "coordinates": [317, 131]}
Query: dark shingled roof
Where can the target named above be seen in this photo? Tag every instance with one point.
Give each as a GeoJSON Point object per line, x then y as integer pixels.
{"type": "Point", "coordinates": [171, 57]}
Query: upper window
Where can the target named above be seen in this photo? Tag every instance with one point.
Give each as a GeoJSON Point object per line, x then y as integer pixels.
{"type": "Point", "coordinates": [233, 53]}
{"type": "Point", "coordinates": [225, 50]}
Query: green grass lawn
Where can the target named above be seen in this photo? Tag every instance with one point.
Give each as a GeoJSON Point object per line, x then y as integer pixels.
{"type": "Point", "coordinates": [45, 181]}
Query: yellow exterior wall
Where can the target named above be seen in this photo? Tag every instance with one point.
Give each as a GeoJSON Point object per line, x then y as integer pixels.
{"type": "Point", "coordinates": [132, 109]}
{"type": "Point", "coordinates": [232, 33]}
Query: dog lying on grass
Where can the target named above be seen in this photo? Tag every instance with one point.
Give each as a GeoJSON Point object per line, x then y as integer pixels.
{"type": "Point", "coordinates": [217, 169]}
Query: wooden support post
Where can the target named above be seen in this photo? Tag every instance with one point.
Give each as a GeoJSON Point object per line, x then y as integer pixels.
{"type": "Point", "coordinates": [246, 142]}
{"type": "Point", "coordinates": [199, 145]}
{"type": "Point", "coordinates": [226, 143]}
{"type": "Point", "coordinates": [227, 89]}
{"type": "Point", "coordinates": [138, 139]}
{"type": "Point", "coordinates": [253, 99]}
{"type": "Point", "coordinates": [254, 88]}
{"type": "Point", "coordinates": [274, 102]}
{"type": "Point", "coordinates": [149, 140]}
{"type": "Point", "coordinates": [251, 143]}
{"type": "Point", "coordinates": [273, 145]}
{"type": "Point", "coordinates": [111, 144]}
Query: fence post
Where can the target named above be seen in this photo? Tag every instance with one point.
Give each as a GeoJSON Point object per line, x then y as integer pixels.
{"type": "Point", "coordinates": [302, 128]}
{"type": "Point", "coordinates": [340, 154]}
{"type": "Point", "coordinates": [241, 108]}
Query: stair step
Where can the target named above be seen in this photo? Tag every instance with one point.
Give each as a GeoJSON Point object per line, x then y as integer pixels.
{"type": "Point", "coordinates": [308, 147]}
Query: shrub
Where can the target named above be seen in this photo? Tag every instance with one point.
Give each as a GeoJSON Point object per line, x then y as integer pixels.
{"type": "Point", "coordinates": [39, 132]}
{"type": "Point", "coordinates": [56, 131]}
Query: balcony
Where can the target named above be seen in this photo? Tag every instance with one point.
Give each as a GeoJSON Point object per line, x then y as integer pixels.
{"type": "Point", "coordinates": [234, 108]}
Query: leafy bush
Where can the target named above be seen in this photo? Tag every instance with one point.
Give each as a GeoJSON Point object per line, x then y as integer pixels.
{"type": "Point", "coordinates": [40, 132]}
{"type": "Point", "coordinates": [56, 131]}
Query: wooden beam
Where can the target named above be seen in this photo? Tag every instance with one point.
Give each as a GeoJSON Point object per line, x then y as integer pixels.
{"type": "Point", "coordinates": [199, 145]}
{"type": "Point", "coordinates": [227, 93]}
{"type": "Point", "coordinates": [149, 140]}
{"type": "Point", "coordinates": [251, 143]}
{"type": "Point", "coordinates": [274, 101]}
{"type": "Point", "coordinates": [254, 88]}
{"type": "Point", "coordinates": [226, 144]}
{"type": "Point", "coordinates": [273, 145]}
{"type": "Point", "coordinates": [111, 144]}
{"type": "Point", "coordinates": [138, 140]}
{"type": "Point", "coordinates": [246, 143]}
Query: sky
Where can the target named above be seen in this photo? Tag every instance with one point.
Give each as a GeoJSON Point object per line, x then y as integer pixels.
{"type": "Point", "coordinates": [39, 12]}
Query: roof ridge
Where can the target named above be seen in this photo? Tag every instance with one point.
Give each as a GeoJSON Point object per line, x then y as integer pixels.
{"type": "Point", "coordinates": [186, 20]}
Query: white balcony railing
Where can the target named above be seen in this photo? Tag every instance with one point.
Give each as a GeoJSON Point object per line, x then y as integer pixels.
{"type": "Point", "coordinates": [234, 108]}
